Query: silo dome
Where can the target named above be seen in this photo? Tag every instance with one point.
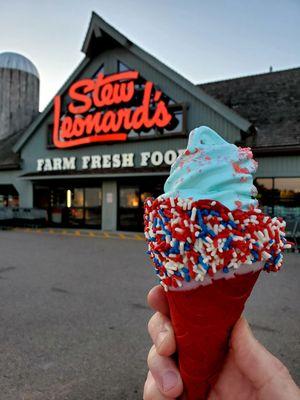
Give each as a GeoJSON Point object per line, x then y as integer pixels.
{"type": "Point", "coordinates": [12, 60]}
{"type": "Point", "coordinates": [19, 93]}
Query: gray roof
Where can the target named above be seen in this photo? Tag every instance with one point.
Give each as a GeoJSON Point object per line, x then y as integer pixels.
{"type": "Point", "coordinates": [8, 159]}
{"type": "Point", "coordinates": [271, 101]}
{"type": "Point", "coordinates": [19, 62]}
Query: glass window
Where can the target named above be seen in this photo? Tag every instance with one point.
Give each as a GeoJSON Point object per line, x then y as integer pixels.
{"type": "Point", "coordinates": [176, 123]}
{"type": "Point", "coordinates": [123, 67]}
{"type": "Point", "coordinates": [287, 200]}
{"type": "Point", "coordinates": [287, 191]}
{"type": "Point", "coordinates": [41, 197]}
{"type": "Point", "coordinates": [129, 221]}
{"type": "Point", "coordinates": [279, 196]}
{"type": "Point", "coordinates": [70, 206]}
{"type": "Point", "coordinates": [13, 201]}
{"type": "Point", "coordinates": [93, 216]}
{"type": "Point", "coordinates": [266, 183]}
{"type": "Point", "coordinates": [58, 198]}
{"type": "Point", "coordinates": [288, 184]}
{"type": "Point", "coordinates": [76, 216]}
{"type": "Point", "coordinates": [9, 200]}
{"type": "Point", "coordinates": [145, 195]}
{"type": "Point", "coordinates": [265, 191]}
{"type": "Point", "coordinates": [176, 126]}
{"type": "Point", "coordinates": [129, 197]}
{"type": "Point", "coordinates": [93, 197]}
{"type": "Point", "coordinates": [77, 200]}
{"type": "Point", "coordinates": [99, 70]}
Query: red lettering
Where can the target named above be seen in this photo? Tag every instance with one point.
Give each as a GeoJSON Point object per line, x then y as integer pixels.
{"type": "Point", "coordinates": [146, 104]}
{"type": "Point", "coordinates": [112, 124]}
{"type": "Point", "coordinates": [107, 94]}
{"type": "Point", "coordinates": [104, 96]}
{"type": "Point", "coordinates": [108, 121]}
{"type": "Point", "coordinates": [66, 128]}
{"type": "Point", "coordinates": [93, 123]}
{"type": "Point", "coordinates": [126, 93]}
{"type": "Point", "coordinates": [125, 118]}
{"type": "Point", "coordinates": [78, 127]}
{"type": "Point", "coordinates": [87, 85]}
{"type": "Point", "coordinates": [161, 116]}
{"type": "Point", "coordinates": [138, 118]}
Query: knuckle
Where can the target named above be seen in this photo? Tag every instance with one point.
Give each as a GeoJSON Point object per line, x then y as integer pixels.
{"type": "Point", "coordinates": [149, 395]}
{"type": "Point", "coordinates": [150, 392]}
{"type": "Point", "coordinates": [281, 368]}
{"type": "Point", "coordinates": [152, 323]}
{"type": "Point", "coordinates": [151, 356]}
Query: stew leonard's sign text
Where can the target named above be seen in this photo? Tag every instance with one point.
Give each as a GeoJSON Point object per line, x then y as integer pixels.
{"type": "Point", "coordinates": [105, 109]}
{"type": "Point", "coordinates": [103, 161]}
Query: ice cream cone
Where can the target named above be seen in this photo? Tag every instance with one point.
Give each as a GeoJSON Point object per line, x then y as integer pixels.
{"type": "Point", "coordinates": [206, 230]}
{"type": "Point", "coordinates": [203, 319]}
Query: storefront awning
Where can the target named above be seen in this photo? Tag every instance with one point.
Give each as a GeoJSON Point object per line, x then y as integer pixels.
{"type": "Point", "coordinates": [97, 173]}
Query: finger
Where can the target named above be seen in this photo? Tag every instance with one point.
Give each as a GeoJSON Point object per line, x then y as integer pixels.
{"type": "Point", "coordinates": [264, 370]}
{"type": "Point", "coordinates": [162, 334]}
{"type": "Point", "coordinates": [151, 391]}
{"type": "Point", "coordinates": [157, 300]}
{"type": "Point", "coordinates": [165, 374]}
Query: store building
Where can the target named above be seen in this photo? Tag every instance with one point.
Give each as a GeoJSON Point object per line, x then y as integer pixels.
{"type": "Point", "coordinates": [109, 136]}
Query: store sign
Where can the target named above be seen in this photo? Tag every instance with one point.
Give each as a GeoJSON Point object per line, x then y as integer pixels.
{"type": "Point", "coordinates": [106, 109]}
{"type": "Point", "coordinates": [108, 161]}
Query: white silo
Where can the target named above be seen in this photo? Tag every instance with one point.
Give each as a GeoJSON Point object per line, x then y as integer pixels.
{"type": "Point", "coordinates": [19, 93]}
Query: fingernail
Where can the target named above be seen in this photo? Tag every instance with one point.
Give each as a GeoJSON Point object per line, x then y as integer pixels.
{"type": "Point", "coordinates": [160, 338]}
{"type": "Point", "coordinates": [169, 380]}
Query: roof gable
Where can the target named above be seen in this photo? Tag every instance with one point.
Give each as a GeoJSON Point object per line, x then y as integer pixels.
{"type": "Point", "coordinates": [101, 36]}
{"type": "Point", "coordinates": [99, 32]}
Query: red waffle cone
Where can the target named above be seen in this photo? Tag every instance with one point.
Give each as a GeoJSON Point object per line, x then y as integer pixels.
{"type": "Point", "coordinates": [203, 319]}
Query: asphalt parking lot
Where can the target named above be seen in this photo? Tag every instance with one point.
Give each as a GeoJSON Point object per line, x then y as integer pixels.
{"type": "Point", "coordinates": [73, 316]}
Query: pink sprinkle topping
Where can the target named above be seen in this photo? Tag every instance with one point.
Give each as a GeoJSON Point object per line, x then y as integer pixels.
{"type": "Point", "coordinates": [245, 152]}
{"type": "Point", "coordinates": [239, 169]}
{"type": "Point", "coordinates": [238, 204]}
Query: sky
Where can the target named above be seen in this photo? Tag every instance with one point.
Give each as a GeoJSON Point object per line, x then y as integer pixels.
{"type": "Point", "coordinates": [203, 40]}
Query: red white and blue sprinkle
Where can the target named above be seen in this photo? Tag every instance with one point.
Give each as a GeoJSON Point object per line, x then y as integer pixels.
{"type": "Point", "coordinates": [189, 239]}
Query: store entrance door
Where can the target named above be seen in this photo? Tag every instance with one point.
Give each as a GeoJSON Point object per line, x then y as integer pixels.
{"type": "Point", "coordinates": [131, 201]}
{"type": "Point", "coordinates": [73, 207]}
{"type": "Point", "coordinates": [83, 207]}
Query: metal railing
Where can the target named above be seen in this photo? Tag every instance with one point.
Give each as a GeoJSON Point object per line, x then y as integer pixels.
{"type": "Point", "coordinates": [293, 231]}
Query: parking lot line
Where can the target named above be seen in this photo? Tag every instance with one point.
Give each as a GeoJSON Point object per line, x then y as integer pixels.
{"type": "Point", "coordinates": [83, 233]}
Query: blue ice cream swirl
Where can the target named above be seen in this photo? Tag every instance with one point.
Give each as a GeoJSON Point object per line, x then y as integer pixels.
{"type": "Point", "coordinates": [211, 168]}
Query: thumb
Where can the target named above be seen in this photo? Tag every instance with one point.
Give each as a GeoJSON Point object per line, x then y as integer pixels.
{"type": "Point", "coordinates": [265, 371]}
